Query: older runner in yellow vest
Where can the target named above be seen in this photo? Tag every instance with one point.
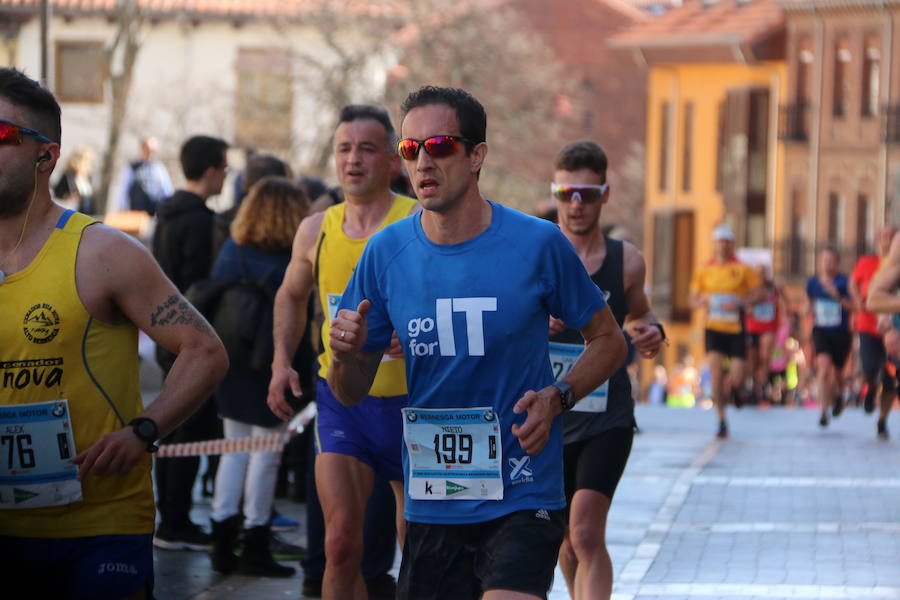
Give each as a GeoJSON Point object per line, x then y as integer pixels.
{"type": "Point", "coordinates": [352, 444]}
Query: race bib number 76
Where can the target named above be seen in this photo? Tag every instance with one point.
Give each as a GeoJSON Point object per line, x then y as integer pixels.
{"type": "Point", "coordinates": [36, 452]}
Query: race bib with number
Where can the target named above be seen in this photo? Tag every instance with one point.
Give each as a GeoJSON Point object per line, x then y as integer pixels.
{"type": "Point", "coordinates": [454, 453]}
{"type": "Point", "coordinates": [36, 452]}
{"type": "Point", "coordinates": [764, 312]}
{"type": "Point", "coordinates": [334, 300]}
{"type": "Point", "coordinates": [562, 357]}
{"type": "Point", "coordinates": [828, 312]}
{"type": "Point", "coordinates": [718, 310]}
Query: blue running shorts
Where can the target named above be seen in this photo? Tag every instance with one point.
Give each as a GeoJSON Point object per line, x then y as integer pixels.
{"type": "Point", "coordinates": [103, 567]}
{"type": "Point", "coordinates": [371, 431]}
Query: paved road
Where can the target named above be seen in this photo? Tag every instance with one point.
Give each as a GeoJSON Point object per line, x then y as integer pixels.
{"type": "Point", "coordinates": [783, 509]}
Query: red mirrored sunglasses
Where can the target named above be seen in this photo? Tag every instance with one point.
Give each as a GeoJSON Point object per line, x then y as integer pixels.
{"type": "Point", "coordinates": [439, 146]}
{"type": "Point", "coordinates": [11, 134]}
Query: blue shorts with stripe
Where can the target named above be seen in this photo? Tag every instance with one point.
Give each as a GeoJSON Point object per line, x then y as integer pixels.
{"type": "Point", "coordinates": [102, 567]}
{"type": "Point", "coordinates": [371, 431]}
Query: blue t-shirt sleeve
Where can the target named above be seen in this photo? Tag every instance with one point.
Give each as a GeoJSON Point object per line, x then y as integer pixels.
{"type": "Point", "coordinates": [843, 286]}
{"type": "Point", "coordinates": [364, 286]}
{"type": "Point", "coordinates": [810, 287]}
{"type": "Point", "coordinates": [571, 294]}
{"type": "Point", "coordinates": [224, 265]}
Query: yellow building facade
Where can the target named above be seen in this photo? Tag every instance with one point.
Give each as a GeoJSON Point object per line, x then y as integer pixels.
{"type": "Point", "coordinates": [716, 81]}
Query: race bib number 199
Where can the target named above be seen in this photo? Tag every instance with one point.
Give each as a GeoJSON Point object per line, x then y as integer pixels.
{"type": "Point", "coordinates": [36, 452]}
{"type": "Point", "coordinates": [454, 453]}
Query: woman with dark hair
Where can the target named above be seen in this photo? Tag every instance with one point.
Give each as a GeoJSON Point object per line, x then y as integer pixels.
{"type": "Point", "coordinates": [259, 250]}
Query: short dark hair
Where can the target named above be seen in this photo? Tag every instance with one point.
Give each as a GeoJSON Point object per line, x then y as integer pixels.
{"type": "Point", "coordinates": [831, 248]}
{"type": "Point", "coordinates": [359, 112]}
{"type": "Point", "coordinates": [42, 108]}
{"type": "Point", "coordinates": [583, 154]}
{"type": "Point", "coordinates": [263, 165]}
{"type": "Point", "coordinates": [469, 112]}
{"type": "Point", "coordinates": [200, 153]}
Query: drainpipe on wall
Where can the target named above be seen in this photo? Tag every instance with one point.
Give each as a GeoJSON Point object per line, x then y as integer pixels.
{"type": "Point", "coordinates": [772, 169]}
{"type": "Point", "coordinates": [815, 138]}
{"type": "Point", "coordinates": [45, 42]}
{"type": "Point", "coordinates": [885, 102]}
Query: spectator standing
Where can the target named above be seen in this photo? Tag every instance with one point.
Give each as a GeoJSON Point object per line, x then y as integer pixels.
{"type": "Point", "coordinates": [259, 250]}
{"type": "Point", "coordinates": [183, 247]}
{"type": "Point", "coordinates": [74, 188]}
{"type": "Point", "coordinates": [144, 183]}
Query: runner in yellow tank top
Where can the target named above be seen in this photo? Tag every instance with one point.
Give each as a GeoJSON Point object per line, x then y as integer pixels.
{"type": "Point", "coordinates": [352, 444]}
{"type": "Point", "coordinates": [76, 504]}
{"type": "Point", "coordinates": [723, 287]}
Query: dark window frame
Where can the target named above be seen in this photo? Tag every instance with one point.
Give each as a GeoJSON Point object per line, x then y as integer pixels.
{"type": "Point", "coordinates": [687, 148]}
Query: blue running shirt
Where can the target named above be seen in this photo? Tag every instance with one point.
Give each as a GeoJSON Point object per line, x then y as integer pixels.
{"type": "Point", "coordinates": [472, 320]}
{"type": "Point", "coordinates": [828, 313]}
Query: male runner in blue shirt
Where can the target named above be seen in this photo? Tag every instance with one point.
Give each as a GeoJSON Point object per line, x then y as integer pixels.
{"type": "Point", "coordinates": [469, 286]}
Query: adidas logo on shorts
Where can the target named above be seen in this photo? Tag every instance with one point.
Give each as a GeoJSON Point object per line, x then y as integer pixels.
{"type": "Point", "coordinates": [542, 514]}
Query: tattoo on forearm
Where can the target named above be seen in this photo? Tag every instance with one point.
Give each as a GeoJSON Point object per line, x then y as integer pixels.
{"type": "Point", "coordinates": [177, 311]}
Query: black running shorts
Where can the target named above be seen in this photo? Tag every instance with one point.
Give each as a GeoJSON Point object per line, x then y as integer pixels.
{"type": "Point", "coordinates": [597, 463]}
{"type": "Point", "coordinates": [516, 552]}
{"type": "Point", "coordinates": [835, 344]}
{"type": "Point", "coordinates": [732, 345]}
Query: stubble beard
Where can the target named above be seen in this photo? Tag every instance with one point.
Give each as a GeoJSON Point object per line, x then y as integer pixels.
{"type": "Point", "coordinates": [15, 193]}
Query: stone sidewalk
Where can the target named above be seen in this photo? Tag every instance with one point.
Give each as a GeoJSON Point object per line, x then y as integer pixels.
{"type": "Point", "coordinates": [783, 509]}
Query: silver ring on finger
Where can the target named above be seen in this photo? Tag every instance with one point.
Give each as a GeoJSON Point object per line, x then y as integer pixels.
{"type": "Point", "coordinates": [343, 335]}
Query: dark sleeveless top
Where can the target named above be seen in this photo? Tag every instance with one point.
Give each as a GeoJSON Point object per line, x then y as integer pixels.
{"type": "Point", "coordinates": [610, 278]}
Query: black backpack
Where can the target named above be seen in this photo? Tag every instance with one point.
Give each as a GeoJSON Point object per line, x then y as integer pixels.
{"type": "Point", "coordinates": [240, 309]}
{"type": "Point", "coordinates": [138, 198]}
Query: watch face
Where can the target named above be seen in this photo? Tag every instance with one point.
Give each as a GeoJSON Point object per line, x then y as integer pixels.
{"type": "Point", "coordinates": [146, 430]}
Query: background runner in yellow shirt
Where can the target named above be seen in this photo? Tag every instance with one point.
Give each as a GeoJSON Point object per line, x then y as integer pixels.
{"type": "Point", "coordinates": [723, 287]}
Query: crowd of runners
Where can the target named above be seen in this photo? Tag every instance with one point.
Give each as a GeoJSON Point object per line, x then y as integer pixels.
{"type": "Point", "coordinates": [472, 360]}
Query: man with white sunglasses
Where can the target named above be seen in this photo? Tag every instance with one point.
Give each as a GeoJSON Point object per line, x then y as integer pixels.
{"type": "Point", "coordinates": [599, 430]}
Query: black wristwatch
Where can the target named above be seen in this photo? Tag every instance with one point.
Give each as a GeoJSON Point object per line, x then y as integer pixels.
{"type": "Point", "coordinates": [566, 395]}
{"type": "Point", "coordinates": [662, 331]}
{"type": "Point", "coordinates": [147, 431]}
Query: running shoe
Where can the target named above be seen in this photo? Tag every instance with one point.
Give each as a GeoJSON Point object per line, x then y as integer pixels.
{"type": "Point", "coordinates": [723, 430]}
{"type": "Point", "coordinates": [311, 588]}
{"type": "Point", "coordinates": [869, 403]}
{"type": "Point", "coordinates": [188, 537]}
{"type": "Point", "coordinates": [882, 430]}
{"type": "Point", "coordinates": [285, 551]}
{"type": "Point", "coordinates": [837, 405]}
{"type": "Point", "coordinates": [823, 420]}
{"type": "Point", "coordinates": [279, 522]}
{"type": "Point", "coordinates": [381, 587]}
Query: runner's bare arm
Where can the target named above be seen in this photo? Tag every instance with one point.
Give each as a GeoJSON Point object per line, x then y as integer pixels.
{"type": "Point", "coordinates": [289, 321]}
{"type": "Point", "coordinates": [119, 280]}
{"type": "Point", "coordinates": [699, 299]}
{"type": "Point", "coordinates": [352, 371]}
{"type": "Point", "coordinates": [640, 322]}
{"type": "Point", "coordinates": [604, 352]}
{"type": "Point", "coordinates": [856, 294]}
{"type": "Point", "coordinates": [881, 290]}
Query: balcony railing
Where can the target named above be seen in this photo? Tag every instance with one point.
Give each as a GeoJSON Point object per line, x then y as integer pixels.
{"type": "Point", "coordinates": [892, 124]}
{"type": "Point", "coordinates": [793, 124]}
